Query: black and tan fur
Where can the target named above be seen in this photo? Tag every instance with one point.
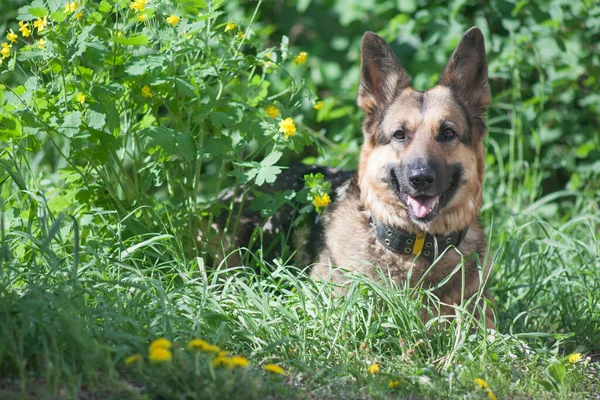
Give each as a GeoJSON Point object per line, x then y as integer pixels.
{"type": "Point", "coordinates": [441, 132]}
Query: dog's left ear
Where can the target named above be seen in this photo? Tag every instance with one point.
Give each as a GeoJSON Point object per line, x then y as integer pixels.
{"type": "Point", "coordinates": [467, 75]}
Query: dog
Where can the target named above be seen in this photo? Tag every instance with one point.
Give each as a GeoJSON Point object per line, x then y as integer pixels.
{"type": "Point", "coordinates": [418, 190]}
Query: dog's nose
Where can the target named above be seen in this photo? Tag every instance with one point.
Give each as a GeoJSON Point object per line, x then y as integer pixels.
{"type": "Point", "coordinates": [421, 178]}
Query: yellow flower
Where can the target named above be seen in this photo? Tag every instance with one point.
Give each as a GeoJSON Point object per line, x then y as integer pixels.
{"type": "Point", "coordinates": [142, 17]}
{"type": "Point", "coordinates": [287, 127]}
{"type": "Point", "coordinates": [223, 353]}
{"type": "Point", "coordinates": [160, 354]}
{"type": "Point", "coordinates": [318, 105]}
{"type": "Point", "coordinates": [160, 343]}
{"type": "Point", "coordinates": [573, 358]}
{"type": "Point", "coordinates": [40, 24]}
{"type": "Point", "coordinates": [5, 51]}
{"type": "Point", "coordinates": [203, 345]}
{"type": "Point", "coordinates": [138, 5]}
{"type": "Point", "coordinates": [276, 369]}
{"type": "Point", "coordinates": [272, 112]}
{"type": "Point", "coordinates": [483, 384]}
{"type": "Point", "coordinates": [146, 91]}
{"type": "Point", "coordinates": [230, 26]}
{"type": "Point", "coordinates": [301, 58]}
{"type": "Point", "coordinates": [322, 202]}
{"type": "Point", "coordinates": [240, 35]}
{"type": "Point", "coordinates": [80, 98]}
{"type": "Point", "coordinates": [374, 369]}
{"type": "Point", "coordinates": [221, 362]}
{"type": "Point", "coordinates": [133, 359]}
{"type": "Point", "coordinates": [42, 43]}
{"type": "Point", "coordinates": [71, 7]}
{"type": "Point", "coordinates": [12, 36]}
{"type": "Point", "coordinates": [173, 19]}
{"type": "Point", "coordinates": [238, 361]}
{"type": "Point", "coordinates": [393, 383]}
{"type": "Point", "coordinates": [491, 395]}
{"type": "Point", "coordinates": [79, 15]}
{"type": "Point", "coordinates": [24, 29]}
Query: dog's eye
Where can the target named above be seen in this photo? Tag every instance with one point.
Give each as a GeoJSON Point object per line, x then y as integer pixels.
{"type": "Point", "coordinates": [399, 136]}
{"type": "Point", "coordinates": [449, 133]}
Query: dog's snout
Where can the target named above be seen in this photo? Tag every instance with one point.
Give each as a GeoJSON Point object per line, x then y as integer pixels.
{"type": "Point", "coordinates": [421, 177]}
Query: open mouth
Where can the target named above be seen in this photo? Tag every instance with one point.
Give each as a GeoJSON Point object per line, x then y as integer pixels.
{"type": "Point", "coordinates": [423, 206]}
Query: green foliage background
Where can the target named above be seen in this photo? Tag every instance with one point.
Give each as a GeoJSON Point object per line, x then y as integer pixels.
{"type": "Point", "coordinates": [104, 195]}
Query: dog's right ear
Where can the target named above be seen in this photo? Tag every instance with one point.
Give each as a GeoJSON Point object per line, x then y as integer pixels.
{"type": "Point", "coordinates": [381, 75]}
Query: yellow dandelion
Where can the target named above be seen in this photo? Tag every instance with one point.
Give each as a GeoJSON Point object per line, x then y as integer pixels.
{"type": "Point", "coordinates": [41, 43]}
{"type": "Point", "coordinates": [221, 362]}
{"type": "Point", "coordinates": [491, 395]}
{"type": "Point", "coordinates": [301, 58]}
{"type": "Point", "coordinates": [575, 357]}
{"type": "Point", "coordinates": [133, 359]}
{"type": "Point", "coordinates": [318, 105]}
{"type": "Point", "coordinates": [146, 91]}
{"type": "Point", "coordinates": [374, 369]}
{"type": "Point", "coordinates": [393, 383]}
{"type": "Point", "coordinates": [40, 23]}
{"type": "Point", "coordinates": [203, 345]}
{"type": "Point", "coordinates": [238, 361]}
{"type": "Point", "coordinates": [230, 26]}
{"type": "Point", "coordinates": [79, 15]}
{"type": "Point", "coordinates": [160, 343]}
{"type": "Point", "coordinates": [223, 353]}
{"type": "Point", "coordinates": [272, 112]}
{"type": "Point", "coordinates": [287, 127]}
{"type": "Point", "coordinates": [321, 201]}
{"type": "Point", "coordinates": [5, 51]}
{"type": "Point", "coordinates": [71, 7]}
{"type": "Point", "coordinates": [12, 36]}
{"type": "Point", "coordinates": [173, 19]}
{"type": "Point", "coordinates": [274, 368]}
{"type": "Point", "coordinates": [160, 354]}
{"type": "Point", "coordinates": [138, 5]}
{"type": "Point", "coordinates": [483, 384]}
{"type": "Point", "coordinates": [24, 29]}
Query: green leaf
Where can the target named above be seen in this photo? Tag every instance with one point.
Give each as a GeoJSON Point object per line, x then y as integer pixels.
{"type": "Point", "coordinates": [557, 372]}
{"type": "Point", "coordinates": [95, 116]}
{"type": "Point", "coordinates": [267, 174]}
{"type": "Point", "coordinates": [71, 123]}
{"type": "Point", "coordinates": [38, 12]}
{"type": "Point", "coordinates": [271, 159]}
{"type": "Point", "coordinates": [133, 40]}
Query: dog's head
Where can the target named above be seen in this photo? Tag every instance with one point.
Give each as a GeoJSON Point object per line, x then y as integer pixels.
{"type": "Point", "coordinates": [422, 160]}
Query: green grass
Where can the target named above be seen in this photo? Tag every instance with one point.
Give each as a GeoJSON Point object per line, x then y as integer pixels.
{"type": "Point", "coordinates": [68, 325]}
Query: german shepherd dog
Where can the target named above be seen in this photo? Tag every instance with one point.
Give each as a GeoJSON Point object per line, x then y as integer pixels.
{"type": "Point", "coordinates": [417, 193]}
{"type": "Point", "coordinates": [419, 184]}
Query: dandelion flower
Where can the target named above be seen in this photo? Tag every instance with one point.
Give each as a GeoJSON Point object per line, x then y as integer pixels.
{"type": "Point", "coordinates": [223, 353]}
{"type": "Point", "coordinates": [203, 345]}
{"type": "Point", "coordinates": [238, 361]}
{"type": "Point", "coordinates": [230, 26]}
{"type": "Point", "coordinates": [12, 36]}
{"type": "Point", "coordinates": [221, 362]}
{"type": "Point", "coordinates": [318, 105]}
{"type": "Point", "coordinates": [275, 369]}
{"type": "Point", "coordinates": [138, 5]}
{"type": "Point", "coordinates": [160, 343]}
{"type": "Point", "coordinates": [393, 383]}
{"type": "Point", "coordinates": [24, 29]}
{"type": "Point", "coordinates": [287, 127]}
{"type": "Point", "coordinates": [80, 98]}
{"type": "Point", "coordinates": [374, 369]}
{"type": "Point", "coordinates": [321, 202]}
{"type": "Point", "coordinates": [575, 357]}
{"type": "Point", "coordinates": [42, 43]}
{"type": "Point", "coordinates": [491, 395]}
{"type": "Point", "coordinates": [5, 51]}
{"type": "Point", "coordinates": [483, 384]}
{"type": "Point", "coordinates": [160, 354]}
{"type": "Point", "coordinates": [40, 23]}
{"type": "Point", "coordinates": [146, 91]}
{"type": "Point", "coordinates": [272, 112]}
{"type": "Point", "coordinates": [71, 7]}
{"type": "Point", "coordinates": [301, 58]}
{"type": "Point", "coordinates": [133, 359]}
{"type": "Point", "coordinates": [173, 19]}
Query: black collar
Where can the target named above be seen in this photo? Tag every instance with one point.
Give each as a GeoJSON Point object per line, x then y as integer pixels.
{"type": "Point", "coordinates": [407, 243]}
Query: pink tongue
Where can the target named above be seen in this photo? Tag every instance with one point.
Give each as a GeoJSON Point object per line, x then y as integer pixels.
{"type": "Point", "coordinates": [421, 206]}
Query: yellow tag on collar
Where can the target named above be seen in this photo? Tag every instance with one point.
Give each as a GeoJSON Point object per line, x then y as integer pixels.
{"type": "Point", "coordinates": [419, 243]}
